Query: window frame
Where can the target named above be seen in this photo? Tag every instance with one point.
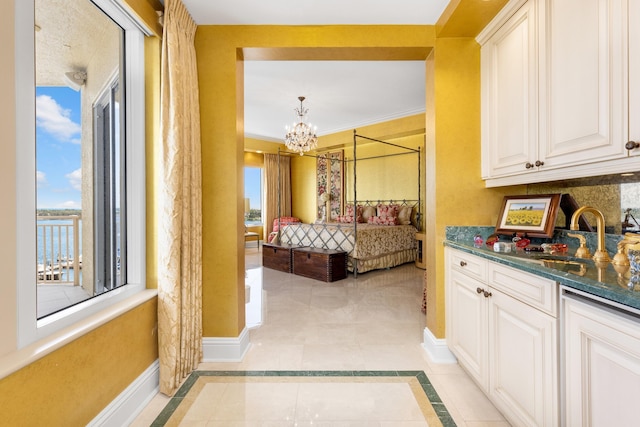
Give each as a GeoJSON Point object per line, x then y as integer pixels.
{"type": "Point", "coordinates": [29, 329]}
{"type": "Point", "coordinates": [107, 180]}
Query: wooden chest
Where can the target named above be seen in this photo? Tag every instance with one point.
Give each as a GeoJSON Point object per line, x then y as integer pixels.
{"type": "Point", "coordinates": [277, 257]}
{"type": "Point", "coordinates": [320, 264]}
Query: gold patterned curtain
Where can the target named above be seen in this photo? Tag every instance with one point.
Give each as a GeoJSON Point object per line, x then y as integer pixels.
{"type": "Point", "coordinates": [271, 189]}
{"type": "Point", "coordinates": [180, 218]}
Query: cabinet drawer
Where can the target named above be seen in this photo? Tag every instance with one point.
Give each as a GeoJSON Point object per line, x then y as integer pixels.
{"type": "Point", "coordinates": [468, 264]}
{"type": "Point", "coordinates": [534, 290]}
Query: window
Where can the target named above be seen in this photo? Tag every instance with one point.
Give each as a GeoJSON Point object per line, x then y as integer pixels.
{"type": "Point", "coordinates": [82, 172]}
{"type": "Point", "coordinates": [253, 195]}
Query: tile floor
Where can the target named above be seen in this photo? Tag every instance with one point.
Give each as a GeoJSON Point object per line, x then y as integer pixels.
{"type": "Point", "coordinates": [373, 322]}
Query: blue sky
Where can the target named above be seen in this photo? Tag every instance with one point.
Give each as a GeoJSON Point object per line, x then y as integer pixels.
{"type": "Point", "coordinates": [58, 151]}
{"type": "Point", "coordinates": [252, 186]}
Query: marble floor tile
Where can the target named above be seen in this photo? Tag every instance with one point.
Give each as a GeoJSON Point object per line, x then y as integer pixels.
{"type": "Point", "coordinates": [372, 323]}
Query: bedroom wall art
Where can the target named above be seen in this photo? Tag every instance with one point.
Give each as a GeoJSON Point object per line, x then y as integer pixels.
{"type": "Point", "coordinates": [330, 178]}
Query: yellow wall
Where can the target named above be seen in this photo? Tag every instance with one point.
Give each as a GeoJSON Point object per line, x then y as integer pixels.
{"type": "Point", "coordinates": [455, 193]}
{"type": "Point", "coordinates": [402, 170]}
{"type": "Point", "coordinates": [303, 188]}
{"type": "Point", "coordinates": [455, 143]}
{"type": "Point", "coordinates": [221, 97]}
{"type": "Point", "coordinates": [70, 386]}
{"type": "Point", "coordinates": [390, 177]}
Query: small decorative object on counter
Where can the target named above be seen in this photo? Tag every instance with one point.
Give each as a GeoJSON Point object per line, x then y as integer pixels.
{"type": "Point", "coordinates": [491, 240]}
{"type": "Point", "coordinates": [521, 242]}
{"type": "Point", "coordinates": [502, 247]}
{"type": "Point", "coordinates": [478, 241]}
{"type": "Point", "coordinates": [554, 248]}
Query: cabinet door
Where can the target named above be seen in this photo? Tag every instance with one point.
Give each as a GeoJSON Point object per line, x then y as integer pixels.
{"type": "Point", "coordinates": [634, 74]}
{"type": "Point", "coordinates": [467, 324]}
{"type": "Point", "coordinates": [523, 362]}
{"type": "Point", "coordinates": [509, 96]}
{"type": "Point", "coordinates": [602, 365]}
{"type": "Point", "coordinates": [586, 78]}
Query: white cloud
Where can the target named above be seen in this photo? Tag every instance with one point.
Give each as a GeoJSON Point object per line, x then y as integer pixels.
{"type": "Point", "coordinates": [75, 179]}
{"type": "Point", "coordinates": [69, 204]}
{"type": "Point", "coordinates": [41, 179]}
{"type": "Point", "coordinates": [56, 120]}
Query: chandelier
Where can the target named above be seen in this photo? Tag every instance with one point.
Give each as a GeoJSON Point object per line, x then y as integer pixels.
{"type": "Point", "coordinates": [301, 137]}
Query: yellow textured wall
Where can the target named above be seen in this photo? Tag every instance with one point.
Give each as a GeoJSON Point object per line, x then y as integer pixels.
{"type": "Point", "coordinates": [70, 386]}
{"type": "Point", "coordinates": [303, 188]}
{"type": "Point", "coordinates": [394, 176]}
{"type": "Point", "coordinates": [455, 193]}
{"type": "Point", "coordinates": [259, 146]}
{"type": "Point", "coordinates": [146, 12]}
{"type": "Point", "coordinates": [221, 97]}
{"type": "Point", "coordinates": [255, 160]}
{"type": "Point", "coordinates": [407, 131]}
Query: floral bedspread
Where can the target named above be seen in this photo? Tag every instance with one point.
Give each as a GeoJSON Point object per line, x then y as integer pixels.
{"type": "Point", "coordinates": [373, 240]}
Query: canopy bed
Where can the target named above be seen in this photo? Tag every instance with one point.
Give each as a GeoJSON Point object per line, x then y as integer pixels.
{"type": "Point", "coordinates": [376, 234]}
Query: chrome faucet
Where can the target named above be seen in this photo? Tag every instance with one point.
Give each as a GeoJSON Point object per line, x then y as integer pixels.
{"type": "Point", "coordinates": [601, 255]}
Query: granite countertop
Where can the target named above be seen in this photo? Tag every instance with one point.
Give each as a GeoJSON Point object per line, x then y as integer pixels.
{"type": "Point", "coordinates": [600, 282]}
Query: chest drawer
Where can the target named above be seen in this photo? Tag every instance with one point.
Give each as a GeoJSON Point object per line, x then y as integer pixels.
{"type": "Point", "coordinates": [320, 264]}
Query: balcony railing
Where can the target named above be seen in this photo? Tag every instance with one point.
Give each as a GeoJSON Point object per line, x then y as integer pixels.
{"type": "Point", "coordinates": [58, 249]}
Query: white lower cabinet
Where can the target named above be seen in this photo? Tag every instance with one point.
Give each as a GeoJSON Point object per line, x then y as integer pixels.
{"type": "Point", "coordinates": [602, 364]}
{"type": "Point", "coordinates": [522, 362]}
{"type": "Point", "coordinates": [502, 326]}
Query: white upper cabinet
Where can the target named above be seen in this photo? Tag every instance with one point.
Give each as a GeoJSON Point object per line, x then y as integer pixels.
{"type": "Point", "coordinates": [585, 87]}
{"type": "Point", "coordinates": [509, 96]}
{"type": "Point", "coordinates": [560, 90]}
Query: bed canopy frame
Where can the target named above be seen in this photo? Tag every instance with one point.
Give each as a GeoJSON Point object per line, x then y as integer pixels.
{"type": "Point", "coordinates": [414, 203]}
{"type": "Point", "coordinates": [409, 151]}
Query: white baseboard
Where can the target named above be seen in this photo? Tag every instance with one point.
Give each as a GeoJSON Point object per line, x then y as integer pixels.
{"type": "Point", "coordinates": [225, 349]}
{"type": "Point", "coordinates": [437, 349]}
{"type": "Point", "coordinates": [126, 407]}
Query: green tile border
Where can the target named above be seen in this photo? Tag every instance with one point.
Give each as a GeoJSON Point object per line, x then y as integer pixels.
{"type": "Point", "coordinates": [427, 387]}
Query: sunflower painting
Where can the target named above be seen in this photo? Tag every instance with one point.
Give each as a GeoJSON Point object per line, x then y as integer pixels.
{"type": "Point", "coordinates": [534, 215]}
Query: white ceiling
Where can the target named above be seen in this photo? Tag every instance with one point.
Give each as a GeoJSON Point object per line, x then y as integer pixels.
{"type": "Point", "coordinates": [341, 95]}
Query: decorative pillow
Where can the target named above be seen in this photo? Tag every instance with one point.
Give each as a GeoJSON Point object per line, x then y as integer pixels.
{"type": "Point", "coordinates": [348, 212]}
{"type": "Point", "coordinates": [387, 210]}
{"type": "Point", "coordinates": [383, 220]}
{"type": "Point", "coordinates": [404, 215]}
{"type": "Point", "coordinates": [345, 219]}
{"type": "Point", "coordinates": [368, 212]}
{"type": "Point", "coordinates": [285, 220]}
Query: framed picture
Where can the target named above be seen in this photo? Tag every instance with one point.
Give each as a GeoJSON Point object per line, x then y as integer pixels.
{"type": "Point", "coordinates": [535, 215]}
